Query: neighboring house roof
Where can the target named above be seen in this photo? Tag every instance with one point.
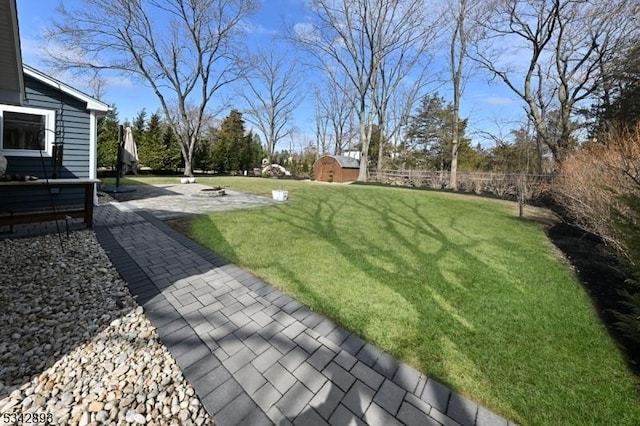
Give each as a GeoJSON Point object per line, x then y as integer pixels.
{"type": "Point", "coordinates": [11, 78]}
{"type": "Point", "coordinates": [346, 162]}
{"type": "Point", "coordinates": [92, 103]}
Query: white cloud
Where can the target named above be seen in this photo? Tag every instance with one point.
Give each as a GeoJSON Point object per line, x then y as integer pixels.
{"type": "Point", "coordinates": [498, 101]}
{"type": "Point", "coordinates": [257, 29]}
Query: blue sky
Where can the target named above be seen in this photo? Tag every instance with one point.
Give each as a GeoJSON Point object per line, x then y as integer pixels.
{"type": "Point", "coordinates": [489, 107]}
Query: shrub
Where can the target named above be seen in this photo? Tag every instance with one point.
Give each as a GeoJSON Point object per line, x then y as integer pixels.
{"type": "Point", "coordinates": [599, 187]}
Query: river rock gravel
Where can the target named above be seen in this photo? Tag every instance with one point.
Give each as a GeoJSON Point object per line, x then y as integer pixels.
{"type": "Point", "coordinates": [74, 345]}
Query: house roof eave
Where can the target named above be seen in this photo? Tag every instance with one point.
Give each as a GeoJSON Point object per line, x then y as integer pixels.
{"type": "Point", "coordinates": [92, 104]}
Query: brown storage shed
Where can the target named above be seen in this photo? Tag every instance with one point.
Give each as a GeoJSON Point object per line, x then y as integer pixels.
{"type": "Point", "coordinates": [336, 168]}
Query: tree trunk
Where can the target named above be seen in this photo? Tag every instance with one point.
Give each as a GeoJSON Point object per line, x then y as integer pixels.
{"type": "Point", "coordinates": [364, 150]}
{"type": "Point", "coordinates": [380, 148]}
{"type": "Point", "coordinates": [188, 167]}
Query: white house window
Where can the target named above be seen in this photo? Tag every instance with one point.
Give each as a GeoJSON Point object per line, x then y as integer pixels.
{"type": "Point", "coordinates": [26, 131]}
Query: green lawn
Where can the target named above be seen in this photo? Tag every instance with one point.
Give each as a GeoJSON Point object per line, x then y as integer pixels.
{"type": "Point", "coordinates": [455, 285]}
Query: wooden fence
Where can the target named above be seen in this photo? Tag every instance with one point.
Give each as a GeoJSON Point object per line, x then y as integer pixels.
{"type": "Point", "coordinates": [504, 185]}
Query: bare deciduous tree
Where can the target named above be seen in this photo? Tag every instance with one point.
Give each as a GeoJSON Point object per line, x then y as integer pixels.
{"type": "Point", "coordinates": [462, 30]}
{"type": "Point", "coordinates": [354, 37]}
{"type": "Point", "coordinates": [335, 108]}
{"type": "Point", "coordinates": [183, 49]}
{"type": "Point", "coordinates": [561, 46]}
{"type": "Point", "coordinates": [272, 94]}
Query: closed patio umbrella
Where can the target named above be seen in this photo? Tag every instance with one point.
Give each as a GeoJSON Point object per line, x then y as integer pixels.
{"type": "Point", "coordinates": [130, 153]}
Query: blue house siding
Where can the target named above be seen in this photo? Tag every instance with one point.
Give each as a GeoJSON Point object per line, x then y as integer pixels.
{"type": "Point", "coordinates": [72, 130]}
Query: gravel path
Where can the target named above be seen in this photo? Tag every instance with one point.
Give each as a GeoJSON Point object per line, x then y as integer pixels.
{"type": "Point", "coordinates": [74, 345]}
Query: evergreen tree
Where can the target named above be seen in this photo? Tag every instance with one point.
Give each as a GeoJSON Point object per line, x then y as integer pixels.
{"type": "Point", "coordinates": [172, 159]}
{"type": "Point", "coordinates": [151, 148]}
{"type": "Point", "coordinates": [139, 125]}
{"type": "Point", "coordinates": [108, 140]}
{"type": "Point", "coordinates": [233, 150]}
{"type": "Point", "coordinates": [429, 136]}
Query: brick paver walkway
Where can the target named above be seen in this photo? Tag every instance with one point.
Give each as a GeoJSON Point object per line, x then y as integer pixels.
{"type": "Point", "coordinates": [254, 355]}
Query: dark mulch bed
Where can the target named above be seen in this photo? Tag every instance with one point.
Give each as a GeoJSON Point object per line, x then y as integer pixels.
{"type": "Point", "coordinates": [602, 275]}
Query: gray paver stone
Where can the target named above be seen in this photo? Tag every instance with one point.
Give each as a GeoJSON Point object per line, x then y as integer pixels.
{"type": "Point", "coordinates": [321, 357]}
{"type": "Point", "coordinates": [339, 376]}
{"type": "Point", "coordinates": [312, 320]}
{"type": "Point", "coordinates": [343, 417]}
{"type": "Point", "coordinates": [235, 411]}
{"type": "Point", "coordinates": [390, 397]}
{"type": "Point", "coordinates": [252, 309]}
{"type": "Point", "coordinates": [223, 330]}
{"type": "Point", "coordinates": [294, 329]}
{"type": "Point", "coordinates": [232, 308]}
{"type": "Point", "coordinates": [284, 318]}
{"type": "Point", "coordinates": [238, 360]}
{"type": "Point", "coordinates": [271, 330]}
{"type": "Point", "coordinates": [368, 354]}
{"type": "Point", "coordinates": [266, 396]}
{"type": "Point", "coordinates": [230, 344]}
{"type": "Point", "coordinates": [367, 375]}
{"type": "Point", "coordinates": [302, 313]}
{"type": "Point", "coordinates": [195, 355]}
{"type": "Point", "coordinates": [310, 377]}
{"type": "Point", "coordinates": [211, 380]}
{"type": "Point", "coordinates": [462, 410]}
{"type": "Point", "coordinates": [345, 360]}
{"type": "Point", "coordinates": [296, 398]}
{"type": "Point", "coordinates": [256, 417]}
{"type": "Point", "coordinates": [307, 343]}
{"type": "Point", "coordinates": [282, 343]}
{"type": "Point", "coordinates": [358, 398]}
{"type": "Point", "coordinates": [280, 378]}
{"type": "Point", "coordinates": [221, 396]}
{"type": "Point", "coordinates": [411, 416]}
{"type": "Point", "coordinates": [407, 377]}
{"type": "Point", "coordinates": [240, 319]}
{"type": "Point", "coordinates": [201, 367]}
{"type": "Point", "coordinates": [377, 416]}
{"type": "Point", "coordinates": [249, 329]}
{"type": "Point", "coordinates": [309, 417]}
{"type": "Point", "coordinates": [277, 417]}
{"type": "Point", "coordinates": [250, 379]}
{"type": "Point", "coordinates": [386, 365]}
{"type": "Point", "coordinates": [292, 306]}
{"type": "Point", "coordinates": [266, 359]}
{"type": "Point", "coordinates": [324, 327]}
{"type": "Point", "coordinates": [294, 358]}
{"type": "Point", "coordinates": [338, 335]}
{"type": "Point", "coordinates": [442, 418]}
{"type": "Point", "coordinates": [436, 395]}
{"type": "Point", "coordinates": [353, 344]}
{"type": "Point", "coordinates": [282, 300]}
{"type": "Point", "coordinates": [261, 318]}
{"type": "Point", "coordinates": [327, 399]}
{"type": "Point", "coordinates": [417, 403]}
{"type": "Point", "coordinates": [256, 343]}
{"type": "Point", "coordinates": [487, 418]}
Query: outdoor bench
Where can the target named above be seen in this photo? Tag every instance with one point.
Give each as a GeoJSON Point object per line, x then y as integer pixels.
{"type": "Point", "coordinates": [10, 217]}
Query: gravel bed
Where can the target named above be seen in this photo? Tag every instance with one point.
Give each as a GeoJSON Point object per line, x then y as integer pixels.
{"type": "Point", "coordinates": [76, 347]}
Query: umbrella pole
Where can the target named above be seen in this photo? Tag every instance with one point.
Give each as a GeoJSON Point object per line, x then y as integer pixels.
{"type": "Point", "coordinates": [119, 155]}
{"type": "Point", "coordinates": [119, 164]}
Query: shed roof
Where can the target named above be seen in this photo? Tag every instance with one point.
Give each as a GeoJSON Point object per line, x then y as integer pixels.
{"type": "Point", "coordinates": [346, 162]}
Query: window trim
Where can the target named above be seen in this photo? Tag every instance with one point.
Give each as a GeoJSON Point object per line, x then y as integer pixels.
{"type": "Point", "coordinates": [50, 134]}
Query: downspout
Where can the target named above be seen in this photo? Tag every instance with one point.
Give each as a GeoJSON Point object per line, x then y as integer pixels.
{"type": "Point", "coordinates": [93, 150]}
